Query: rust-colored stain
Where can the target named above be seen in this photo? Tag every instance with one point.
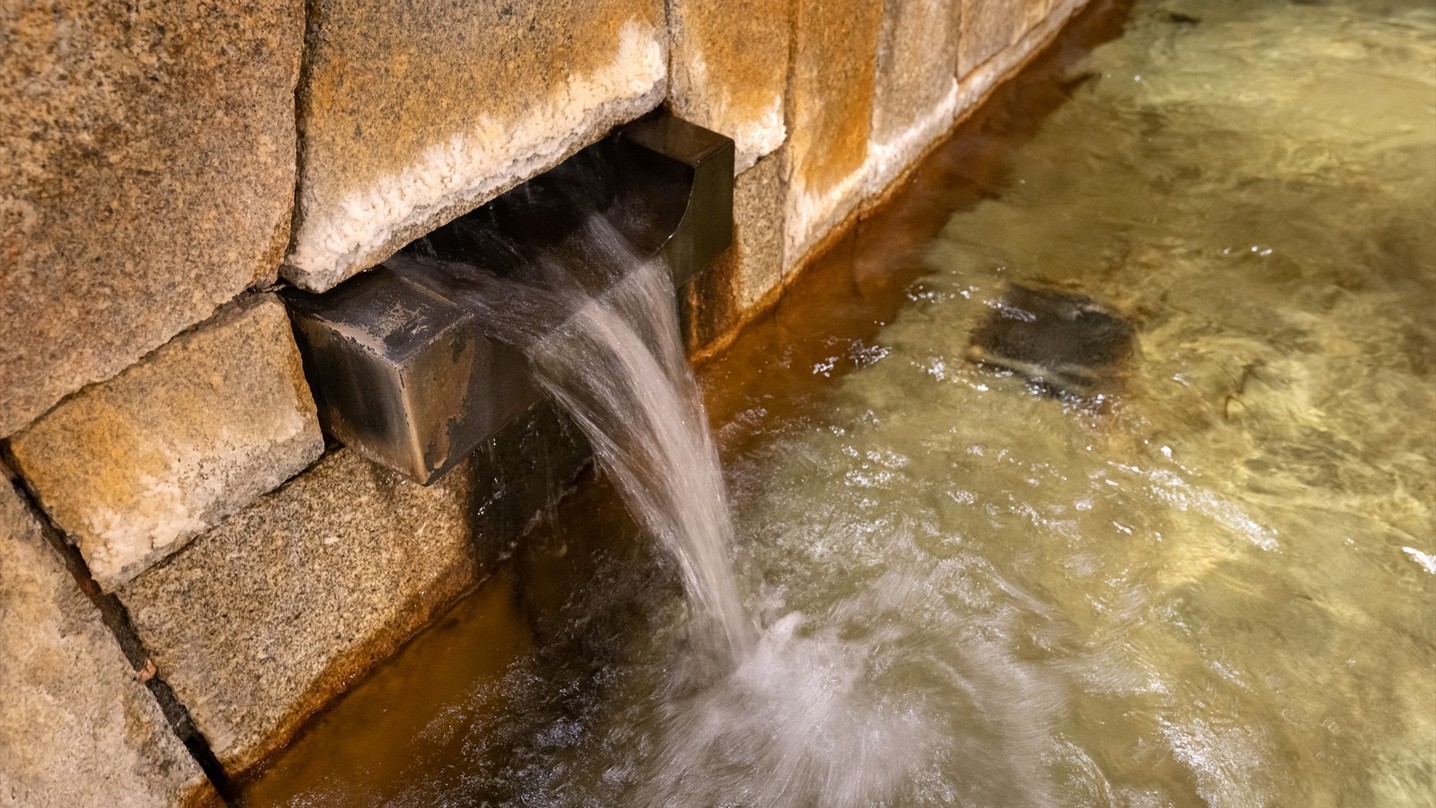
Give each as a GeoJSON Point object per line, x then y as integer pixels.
{"type": "Point", "coordinates": [132, 467]}
{"type": "Point", "coordinates": [831, 91]}
{"type": "Point", "coordinates": [743, 46]}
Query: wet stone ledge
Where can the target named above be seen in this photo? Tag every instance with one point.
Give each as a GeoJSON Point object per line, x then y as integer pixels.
{"type": "Point", "coordinates": [260, 621]}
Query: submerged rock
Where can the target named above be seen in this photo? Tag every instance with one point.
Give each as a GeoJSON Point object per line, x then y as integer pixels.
{"type": "Point", "coordinates": [1062, 342]}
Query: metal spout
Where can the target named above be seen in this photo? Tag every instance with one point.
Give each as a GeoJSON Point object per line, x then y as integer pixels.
{"type": "Point", "coordinates": [405, 375]}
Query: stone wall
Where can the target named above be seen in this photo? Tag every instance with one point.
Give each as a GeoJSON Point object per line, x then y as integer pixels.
{"type": "Point", "coordinates": [181, 556]}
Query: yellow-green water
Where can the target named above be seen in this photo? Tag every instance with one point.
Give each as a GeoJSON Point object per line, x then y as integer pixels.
{"type": "Point", "coordinates": [1219, 587]}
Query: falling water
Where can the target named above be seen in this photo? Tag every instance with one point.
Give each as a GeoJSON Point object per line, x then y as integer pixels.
{"type": "Point", "coordinates": [737, 698]}
{"type": "Point", "coordinates": [614, 361]}
{"type": "Point", "coordinates": [617, 368]}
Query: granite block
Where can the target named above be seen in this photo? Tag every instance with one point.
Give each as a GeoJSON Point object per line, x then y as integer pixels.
{"type": "Point", "coordinates": [76, 725]}
{"type": "Point", "coordinates": [729, 70]}
{"type": "Point", "coordinates": [831, 93]}
{"type": "Point", "coordinates": [134, 467]}
{"type": "Point", "coordinates": [261, 621]}
{"type": "Point", "coordinates": [148, 177]}
{"type": "Point", "coordinates": [409, 117]}
{"type": "Point", "coordinates": [916, 96]}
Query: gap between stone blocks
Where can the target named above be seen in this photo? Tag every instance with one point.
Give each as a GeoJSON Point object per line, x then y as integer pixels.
{"type": "Point", "coordinates": [115, 618]}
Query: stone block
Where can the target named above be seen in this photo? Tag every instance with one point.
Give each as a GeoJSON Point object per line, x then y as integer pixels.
{"type": "Point", "coordinates": [262, 620]}
{"type": "Point", "coordinates": [134, 467]}
{"type": "Point", "coordinates": [984, 61]}
{"type": "Point", "coordinates": [1062, 342]}
{"type": "Point", "coordinates": [76, 726]}
{"type": "Point", "coordinates": [916, 91]}
{"type": "Point", "coordinates": [830, 112]}
{"type": "Point", "coordinates": [718, 300]}
{"type": "Point", "coordinates": [990, 26]}
{"type": "Point", "coordinates": [729, 70]}
{"type": "Point", "coordinates": [148, 177]}
{"type": "Point", "coordinates": [409, 118]}
{"type": "Point", "coordinates": [1038, 11]}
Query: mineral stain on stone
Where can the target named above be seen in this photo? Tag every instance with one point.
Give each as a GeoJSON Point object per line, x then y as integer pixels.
{"type": "Point", "coordinates": [1062, 342]}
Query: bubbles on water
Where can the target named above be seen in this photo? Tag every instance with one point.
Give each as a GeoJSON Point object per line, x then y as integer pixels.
{"type": "Point", "coordinates": [1426, 561]}
{"type": "Point", "coordinates": [798, 723]}
{"type": "Point", "coordinates": [889, 696]}
{"type": "Point", "coordinates": [1216, 592]}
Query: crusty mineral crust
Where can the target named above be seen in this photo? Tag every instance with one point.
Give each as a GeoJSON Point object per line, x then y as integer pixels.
{"type": "Point", "coordinates": [410, 119]}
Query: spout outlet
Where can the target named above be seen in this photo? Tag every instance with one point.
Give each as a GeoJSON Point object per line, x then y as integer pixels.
{"type": "Point", "coordinates": [404, 374]}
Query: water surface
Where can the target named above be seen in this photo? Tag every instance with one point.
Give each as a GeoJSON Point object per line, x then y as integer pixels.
{"type": "Point", "coordinates": [1217, 586]}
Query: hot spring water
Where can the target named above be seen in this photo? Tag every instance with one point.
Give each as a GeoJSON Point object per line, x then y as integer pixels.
{"type": "Point", "coordinates": [733, 700]}
{"type": "Point", "coordinates": [1216, 589]}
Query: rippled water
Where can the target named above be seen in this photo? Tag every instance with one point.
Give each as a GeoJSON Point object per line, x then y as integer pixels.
{"type": "Point", "coordinates": [1216, 587]}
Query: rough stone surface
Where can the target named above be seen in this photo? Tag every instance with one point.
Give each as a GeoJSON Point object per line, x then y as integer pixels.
{"type": "Point", "coordinates": [729, 70]}
{"type": "Point", "coordinates": [830, 113]}
{"type": "Point", "coordinates": [717, 300]}
{"type": "Point", "coordinates": [976, 81]}
{"type": "Point", "coordinates": [147, 177]}
{"type": "Point", "coordinates": [1037, 11]}
{"type": "Point", "coordinates": [263, 619]}
{"type": "Point", "coordinates": [916, 91]}
{"type": "Point", "coordinates": [76, 727]}
{"type": "Point", "coordinates": [133, 467]}
{"type": "Point", "coordinates": [1060, 341]}
{"type": "Point", "coordinates": [989, 26]}
{"type": "Point", "coordinates": [410, 117]}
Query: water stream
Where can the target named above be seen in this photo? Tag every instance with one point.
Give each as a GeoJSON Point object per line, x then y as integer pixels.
{"type": "Point", "coordinates": [598, 327]}
{"type": "Point", "coordinates": [1217, 587]}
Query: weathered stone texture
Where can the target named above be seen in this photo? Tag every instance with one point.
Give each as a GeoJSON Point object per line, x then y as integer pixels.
{"type": "Point", "coordinates": [133, 467]}
{"type": "Point", "coordinates": [989, 26]}
{"type": "Point", "coordinates": [411, 116]}
{"type": "Point", "coordinates": [146, 176]}
{"type": "Point", "coordinates": [1000, 38]}
{"type": "Point", "coordinates": [717, 299]}
{"type": "Point", "coordinates": [916, 91]}
{"type": "Point", "coordinates": [1039, 11]}
{"type": "Point", "coordinates": [830, 110]}
{"type": "Point", "coordinates": [262, 620]}
{"type": "Point", "coordinates": [729, 70]}
{"type": "Point", "coordinates": [76, 727]}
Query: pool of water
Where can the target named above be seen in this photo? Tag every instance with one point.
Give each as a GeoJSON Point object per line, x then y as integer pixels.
{"type": "Point", "coordinates": [1216, 585]}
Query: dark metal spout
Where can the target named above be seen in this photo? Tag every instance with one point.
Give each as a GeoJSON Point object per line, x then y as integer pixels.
{"type": "Point", "coordinates": [402, 371]}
